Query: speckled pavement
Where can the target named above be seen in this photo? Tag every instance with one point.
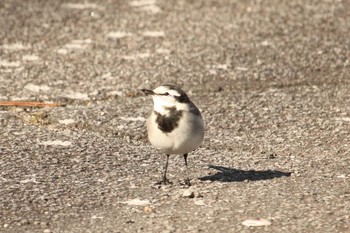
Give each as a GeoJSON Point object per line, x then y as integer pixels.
{"type": "Point", "coordinates": [272, 79]}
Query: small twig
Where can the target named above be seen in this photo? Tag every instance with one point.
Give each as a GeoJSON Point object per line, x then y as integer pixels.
{"type": "Point", "coordinates": [29, 104]}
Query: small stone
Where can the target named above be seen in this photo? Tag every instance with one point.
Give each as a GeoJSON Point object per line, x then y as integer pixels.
{"type": "Point", "coordinates": [256, 222]}
{"type": "Point", "coordinates": [66, 121]}
{"type": "Point", "coordinates": [24, 222]}
{"type": "Point", "coordinates": [199, 202]}
{"type": "Point", "coordinates": [136, 201]}
{"type": "Point", "coordinates": [188, 193]}
{"type": "Point", "coordinates": [6, 225]}
{"type": "Point", "coordinates": [198, 194]}
{"type": "Point", "coordinates": [148, 209]}
{"type": "Point", "coordinates": [47, 231]}
{"type": "Point", "coordinates": [44, 224]}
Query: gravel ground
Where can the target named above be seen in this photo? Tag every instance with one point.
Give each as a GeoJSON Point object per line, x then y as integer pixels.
{"type": "Point", "coordinates": [272, 79]}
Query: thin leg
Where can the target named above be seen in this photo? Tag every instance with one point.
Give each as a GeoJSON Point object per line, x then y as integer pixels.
{"type": "Point", "coordinates": [165, 180]}
{"type": "Point", "coordinates": [187, 180]}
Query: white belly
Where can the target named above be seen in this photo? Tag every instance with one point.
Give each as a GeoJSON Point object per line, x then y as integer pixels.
{"type": "Point", "coordinates": [183, 139]}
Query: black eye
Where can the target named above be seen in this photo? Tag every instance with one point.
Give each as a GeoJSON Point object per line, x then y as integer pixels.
{"type": "Point", "coordinates": [166, 93]}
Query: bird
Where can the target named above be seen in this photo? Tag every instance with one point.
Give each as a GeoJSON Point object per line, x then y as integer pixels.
{"type": "Point", "coordinates": [175, 125]}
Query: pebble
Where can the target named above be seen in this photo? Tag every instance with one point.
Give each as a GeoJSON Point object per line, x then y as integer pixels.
{"type": "Point", "coordinates": [188, 193]}
{"type": "Point", "coordinates": [256, 222]}
{"type": "Point", "coordinates": [44, 224]}
{"type": "Point", "coordinates": [148, 209]}
{"type": "Point", "coordinates": [199, 202]}
{"type": "Point", "coordinates": [24, 222]}
{"type": "Point", "coordinates": [47, 231]}
{"type": "Point", "coordinates": [136, 201]}
{"type": "Point", "coordinates": [198, 194]}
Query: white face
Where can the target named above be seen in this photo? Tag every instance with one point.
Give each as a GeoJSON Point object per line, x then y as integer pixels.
{"type": "Point", "coordinates": [164, 97]}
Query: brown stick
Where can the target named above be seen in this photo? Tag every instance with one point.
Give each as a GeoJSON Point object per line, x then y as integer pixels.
{"type": "Point", "coordinates": [29, 104]}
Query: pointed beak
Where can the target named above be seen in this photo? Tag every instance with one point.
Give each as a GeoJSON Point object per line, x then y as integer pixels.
{"type": "Point", "coordinates": [147, 92]}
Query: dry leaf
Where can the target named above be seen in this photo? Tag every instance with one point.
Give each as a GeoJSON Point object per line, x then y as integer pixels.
{"type": "Point", "coordinates": [29, 104]}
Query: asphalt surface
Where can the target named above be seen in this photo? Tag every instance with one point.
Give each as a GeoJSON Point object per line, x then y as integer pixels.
{"type": "Point", "coordinates": [272, 79]}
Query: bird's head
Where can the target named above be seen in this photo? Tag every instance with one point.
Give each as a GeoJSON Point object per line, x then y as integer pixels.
{"type": "Point", "coordinates": [167, 95]}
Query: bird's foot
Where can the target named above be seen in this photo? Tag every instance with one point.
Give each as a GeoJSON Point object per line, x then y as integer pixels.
{"type": "Point", "coordinates": [186, 182]}
{"type": "Point", "coordinates": [164, 181]}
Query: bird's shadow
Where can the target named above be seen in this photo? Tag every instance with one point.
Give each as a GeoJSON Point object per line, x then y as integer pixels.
{"type": "Point", "coordinates": [226, 174]}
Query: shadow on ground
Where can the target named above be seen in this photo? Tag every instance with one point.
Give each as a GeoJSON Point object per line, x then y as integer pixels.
{"type": "Point", "coordinates": [226, 174]}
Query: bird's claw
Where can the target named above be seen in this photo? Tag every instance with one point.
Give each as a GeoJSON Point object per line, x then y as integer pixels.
{"type": "Point", "coordinates": [165, 181]}
{"type": "Point", "coordinates": [187, 182]}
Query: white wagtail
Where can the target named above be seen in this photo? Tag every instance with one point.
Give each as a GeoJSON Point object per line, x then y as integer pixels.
{"type": "Point", "coordinates": [175, 125]}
